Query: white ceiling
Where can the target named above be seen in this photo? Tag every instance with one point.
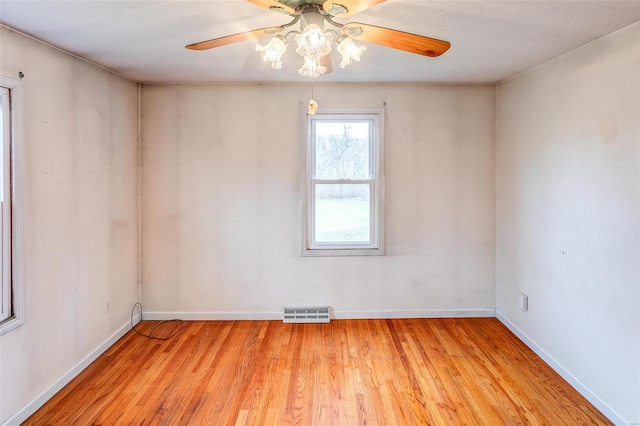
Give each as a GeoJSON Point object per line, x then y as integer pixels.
{"type": "Point", "coordinates": [145, 39]}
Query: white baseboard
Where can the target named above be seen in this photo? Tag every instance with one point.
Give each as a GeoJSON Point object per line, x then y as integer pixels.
{"type": "Point", "coordinates": [565, 373]}
{"type": "Point", "coordinates": [212, 316]}
{"type": "Point", "coordinates": [34, 405]}
{"type": "Point", "coordinates": [425, 313]}
{"type": "Point", "coordinates": [222, 316]}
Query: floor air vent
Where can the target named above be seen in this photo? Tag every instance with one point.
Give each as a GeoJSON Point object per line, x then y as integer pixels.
{"type": "Point", "coordinates": [299, 315]}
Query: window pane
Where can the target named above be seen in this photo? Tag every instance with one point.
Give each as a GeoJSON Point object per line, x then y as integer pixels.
{"type": "Point", "coordinates": [342, 213]}
{"type": "Point", "coordinates": [342, 150]}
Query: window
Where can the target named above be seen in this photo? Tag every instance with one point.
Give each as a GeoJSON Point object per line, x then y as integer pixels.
{"type": "Point", "coordinates": [11, 306]}
{"type": "Point", "coordinates": [343, 184]}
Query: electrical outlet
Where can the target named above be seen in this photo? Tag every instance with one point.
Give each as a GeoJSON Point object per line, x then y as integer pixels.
{"type": "Point", "coordinates": [109, 305]}
{"type": "Point", "coordinates": [523, 301]}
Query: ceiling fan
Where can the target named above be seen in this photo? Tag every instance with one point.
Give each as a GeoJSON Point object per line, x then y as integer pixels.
{"type": "Point", "coordinates": [314, 41]}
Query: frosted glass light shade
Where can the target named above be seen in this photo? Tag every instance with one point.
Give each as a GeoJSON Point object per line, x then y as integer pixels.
{"type": "Point", "coordinates": [350, 52]}
{"type": "Point", "coordinates": [312, 68]}
{"type": "Point", "coordinates": [313, 43]}
{"type": "Point", "coordinates": [273, 51]}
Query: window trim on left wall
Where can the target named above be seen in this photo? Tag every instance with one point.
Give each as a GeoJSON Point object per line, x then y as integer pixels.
{"type": "Point", "coordinates": [15, 281]}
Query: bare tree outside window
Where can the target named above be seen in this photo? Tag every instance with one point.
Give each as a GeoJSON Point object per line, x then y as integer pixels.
{"type": "Point", "coordinates": [342, 150]}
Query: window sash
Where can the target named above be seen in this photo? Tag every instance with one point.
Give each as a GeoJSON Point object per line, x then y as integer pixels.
{"type": "Point", "coordinates": [356, 119]}
{"type": "Point", "coordinates": [372, 243]}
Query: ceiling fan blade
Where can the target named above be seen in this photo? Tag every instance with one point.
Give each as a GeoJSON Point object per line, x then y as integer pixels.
{"type": "Point", "coordinates": [325, 61]}
{"type": "Point", "coordinates": [234, 38]}
{"type": "Point", "coordinates": [274, 4]}
{"type": "Point", "coordinates": [397, 39]}
{"type": "Point", "coordinates": [352, 6]}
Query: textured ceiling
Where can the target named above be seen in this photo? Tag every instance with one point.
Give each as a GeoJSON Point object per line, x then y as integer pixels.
{"type": "Point", "coordinates": [145, 39]}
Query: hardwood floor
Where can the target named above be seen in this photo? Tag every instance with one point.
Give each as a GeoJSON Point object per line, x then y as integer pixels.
{"type": "Point", "coordinates": [350, 372]}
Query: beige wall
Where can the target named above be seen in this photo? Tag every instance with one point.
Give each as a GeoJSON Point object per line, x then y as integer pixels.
{"type": "Point", "coordinates": [80, 215]}
{"type": "Point", "coordinates": [568, 215]}
{"type": "Point", "coordinates": [221, 202]}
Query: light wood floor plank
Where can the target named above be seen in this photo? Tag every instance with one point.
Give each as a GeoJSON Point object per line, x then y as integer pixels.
{"type": "Point", "coordinates": [470, 371]}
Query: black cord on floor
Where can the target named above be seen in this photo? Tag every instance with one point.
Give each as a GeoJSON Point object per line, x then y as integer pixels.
{"type": "Point", "coordinates": [150, 335]}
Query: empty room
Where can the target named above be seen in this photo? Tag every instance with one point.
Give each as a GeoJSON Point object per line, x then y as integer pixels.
{"type": "Point", "coordinates": [270, 212]}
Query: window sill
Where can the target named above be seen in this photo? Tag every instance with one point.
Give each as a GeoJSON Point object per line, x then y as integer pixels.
{"type": "Point", "coordinates": [10, 324]}
{"type": "Point", "coordinates": [342, 252]}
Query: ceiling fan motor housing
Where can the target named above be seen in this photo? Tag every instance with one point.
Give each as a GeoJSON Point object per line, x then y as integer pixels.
{"type": "Point", "coordinates": [310, 14]}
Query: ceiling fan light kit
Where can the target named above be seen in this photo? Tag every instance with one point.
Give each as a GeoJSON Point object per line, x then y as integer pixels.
{"type": "Point", "coordinates": [315, 42]}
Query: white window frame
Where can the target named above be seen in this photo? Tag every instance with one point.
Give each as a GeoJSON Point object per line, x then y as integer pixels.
{"type": "Point", "coordinates": [376, 182]}
{"type": "Point", "coordinates": [13, 309]}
